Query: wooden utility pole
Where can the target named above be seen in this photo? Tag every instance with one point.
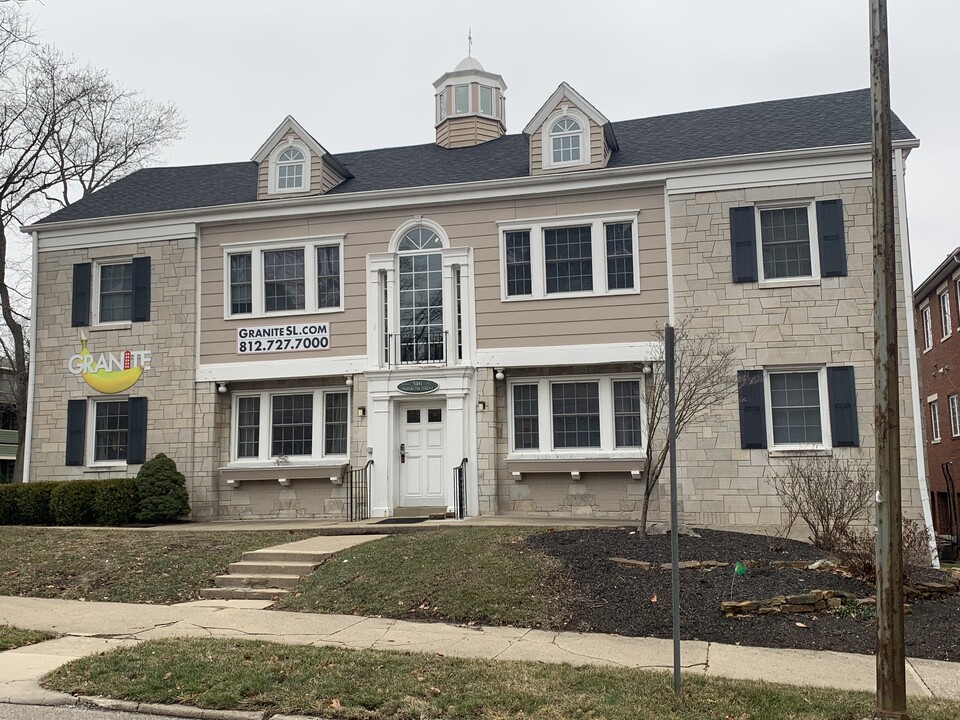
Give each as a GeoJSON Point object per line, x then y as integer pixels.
{"type": "Point", "coordinates": [891, 662]}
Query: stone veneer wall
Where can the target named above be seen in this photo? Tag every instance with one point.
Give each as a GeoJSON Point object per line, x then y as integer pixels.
{"type": "Point", "coordinates": [598, 495]}
{"type": "Point", "coordinates": [179, 413]}
{"type": "Point", "coordinates": [491, 424]}
{"type": "Point", "coordinates": [829, 322]}
{"type": "Point", "coordinates": [257, 499]}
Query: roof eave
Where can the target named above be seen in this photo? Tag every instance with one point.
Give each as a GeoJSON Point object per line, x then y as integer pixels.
{"type": "Point", "coordinates": [950, 264]}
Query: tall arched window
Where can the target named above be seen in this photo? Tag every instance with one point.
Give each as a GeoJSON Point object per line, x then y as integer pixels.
{"type": "Point", "coordinates": [290, 169]}
{"type": "Point", "coordinates": [422, 337]}
{"type": "Point", "coordinates": [565, 141]}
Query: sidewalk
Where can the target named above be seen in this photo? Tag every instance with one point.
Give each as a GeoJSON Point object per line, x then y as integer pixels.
{"type": "Point", "coordinates": [94, 627]}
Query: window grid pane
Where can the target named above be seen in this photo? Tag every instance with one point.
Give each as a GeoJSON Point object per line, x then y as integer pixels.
{"type": "Point", "coordinates": [421, 308]}
{"type": "Point", "coordinates": [116, 293]}
{"type": "Point", "coordinates": [934, 422]}
{"type": "Point", "coordinates": [927, 328]}
{"type": "Point", "coordinates": [241, 284]}
{"type": "Point", "coordinates": [945, 325]}
{"type": "Point", "coordinates": [248, 427]}
{"type": "Point", "coordinates": [620, 256]}
{"type": "Point", "coordinates": [576, 415]}
{"type": "Point", "coordinates": [335, 423]}
{"type": "Point", "coordinates": [569, 259]}
{"type": "Point", "coordinates": [517, 251]}
{"type": "Point", "coordinates": [110, 431]}
{"type": "Point", "coordinates": [795, 408]}
{"type": "Point", "coordinates": [292, 426]}
{"type": "Point", "coordinates": [290, 176]}
{"type": "Point", "coordinates": [954, 415]}
{"type": "Point", "coordinates": [526, 417]}
{"type": "Point", "coordinates": [627, 418]}
{"type": "Point", "coordinates": [283, 280]}
{"type": "Point", "coordinates": [566, 148]}
{"type": "Point", "coordinates": [785, 238]}
{"type": "Point", "coordinates": [328, 276]}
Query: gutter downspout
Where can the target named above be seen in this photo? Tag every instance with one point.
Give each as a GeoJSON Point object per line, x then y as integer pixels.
{"type": "Point", "coordinates": [898, 167]}
{"type": "Point", "coordinates": [28, 437]}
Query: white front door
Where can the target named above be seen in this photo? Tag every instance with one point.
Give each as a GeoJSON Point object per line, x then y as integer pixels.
{"type": "Point", "coordinates": [423, 460]}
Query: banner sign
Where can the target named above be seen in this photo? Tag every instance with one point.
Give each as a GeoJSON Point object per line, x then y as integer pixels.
{"type": "Point", "coordinates": [283, 338]}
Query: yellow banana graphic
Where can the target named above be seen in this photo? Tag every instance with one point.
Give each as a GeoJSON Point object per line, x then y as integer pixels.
{"type": "Point", "coordinates": [108, 381]}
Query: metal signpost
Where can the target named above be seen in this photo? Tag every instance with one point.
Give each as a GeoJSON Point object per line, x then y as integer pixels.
{"type": "Point", "coordinates": [670, 368]}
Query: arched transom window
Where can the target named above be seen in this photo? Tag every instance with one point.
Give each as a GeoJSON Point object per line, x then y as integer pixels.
{"type": "Point", "coordinates": [565, 140]}
{"type": "Point", "coordinates": [422, 337]}
{"type": "Point", "coordinates": [290, 167]}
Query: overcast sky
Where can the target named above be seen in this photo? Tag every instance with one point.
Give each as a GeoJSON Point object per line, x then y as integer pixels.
{"type": "Point", "coordinates": [359, 75]}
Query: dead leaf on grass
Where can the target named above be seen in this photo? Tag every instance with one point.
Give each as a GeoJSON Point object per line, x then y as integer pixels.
{"type": "Point", "coordinates": [335, 704]}
{"type": "Point", "coordinates": [653, 599]}
{"type": "Point", "coordinates": [800, 624]}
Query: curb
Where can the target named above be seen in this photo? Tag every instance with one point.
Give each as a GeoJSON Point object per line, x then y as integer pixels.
{"type": "Point", "coordinates": [180, 711]}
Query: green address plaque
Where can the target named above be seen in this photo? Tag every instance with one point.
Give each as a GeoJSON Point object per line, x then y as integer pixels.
{"type": "Point", "coordinates": [417, 387]}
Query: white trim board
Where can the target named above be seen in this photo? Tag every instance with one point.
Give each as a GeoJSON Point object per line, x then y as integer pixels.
{"type": "Point", "coordinates": [569, 355]}
{"type": "Point", "coordinates": [279, 369]}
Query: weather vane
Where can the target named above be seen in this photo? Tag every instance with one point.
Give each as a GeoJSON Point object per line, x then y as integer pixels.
{"type": "Point", "coordinates": [469, 42]}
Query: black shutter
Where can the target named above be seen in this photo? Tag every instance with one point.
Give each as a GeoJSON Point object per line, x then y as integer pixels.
{"type": "Point", "coordinates": [141, 289]}
{"type": "Point", "coordinates": [743, 244]}
{"type": "Point", "coordinates": [843, 407]}
{"type": "Point", "coordinates": [137, 431]}
{"type": "Point", "coordinates": [833, 251]}
{"type": "Point", "coordinates": [753, 421]}
{"type": "Point", "coordinates": [76, 426]}
{"type": "Point", "coordinates": [81, 295]}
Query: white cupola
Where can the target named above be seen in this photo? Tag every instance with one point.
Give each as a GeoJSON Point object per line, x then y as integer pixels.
{"type": "Point", "coordinates": [470, 105]}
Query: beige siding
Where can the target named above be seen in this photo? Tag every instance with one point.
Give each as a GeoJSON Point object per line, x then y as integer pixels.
{"type": "Point", "coordinates": [329, 178]}
{"type": "Point", "coordinates": [467, 131]}
{"type": "Point", "coordinates": [600, 319]}
{"type": "Point", "coordinates": [599, 152]}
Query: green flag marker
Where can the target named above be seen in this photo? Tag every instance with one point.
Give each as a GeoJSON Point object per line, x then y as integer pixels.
{"type": "Point", "coordinates": [739, 569]}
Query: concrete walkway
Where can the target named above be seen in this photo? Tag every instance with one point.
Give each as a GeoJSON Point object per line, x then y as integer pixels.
{"type": "Point", "coordinates": [93, 627]}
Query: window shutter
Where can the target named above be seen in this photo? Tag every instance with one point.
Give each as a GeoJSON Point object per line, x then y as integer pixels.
{"type": "Point", "coordinates": [833, 251]}
{"type": "Point", "coordinates": [141, 289]}
{"type": "Point", "coordinates": [843, 407]}
{"type": "Point", "coordinates": [753, 422]}
{"type": "Point", "coordinates": [76, 426]}
{"type": "Point", "coordinates": [743, 244]}
{"type": "Point", "coordinates": [81, 295]}
{"type": "Point", "coordinates": [137, 431]}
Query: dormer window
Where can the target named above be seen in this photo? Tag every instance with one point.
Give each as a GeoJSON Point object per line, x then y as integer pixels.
{"type": "Point", "coordinates": [565, 141]}
{"type": "Point", "coordinates": [290, 170]}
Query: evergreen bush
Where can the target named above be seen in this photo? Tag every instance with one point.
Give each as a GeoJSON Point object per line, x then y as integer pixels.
{"type": "Point", "coordinates": [33, 503]}
{"type": "Point", "coordinates": [115, 502]}
{"type": "Point", "coordinates": [72, 503]}
{"type": "Point", "coordinates": [9, 494]}
{"type": "Point", "coordinates": [161, 491]}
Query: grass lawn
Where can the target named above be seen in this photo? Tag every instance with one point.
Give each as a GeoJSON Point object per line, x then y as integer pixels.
{"type": "Point", "coordinates": [14, 637]}
{"type": "Point", "coordinates": [333, 682]}
{"type": "Point", "coordinates": [485, 575]}
{"type": "Point", "coordinates": [122, 565]}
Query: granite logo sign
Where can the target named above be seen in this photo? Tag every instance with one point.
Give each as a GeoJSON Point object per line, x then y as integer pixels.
{"type": "Point", "coordinates": [109, 372]}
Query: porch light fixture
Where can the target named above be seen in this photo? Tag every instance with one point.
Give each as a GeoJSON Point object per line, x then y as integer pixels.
{"type": "Point", "coordinates": [361, 411]}
{"type": "Point", "coordinates": [481, 405]}
{"type": "Point", "coordinates": [232, 483]}
{"type": "Point", "coordinates": [499, 375]}
{"type": "Point", "coordinates": [222, 388]}
{"type": "Point", "coordinates": [647, 368]}
{"type": "Point", "coordinates": [349, 380]}
{"type": "Point", "coordinates": [284, 481]}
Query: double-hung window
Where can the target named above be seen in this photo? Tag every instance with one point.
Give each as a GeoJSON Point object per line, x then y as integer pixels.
{"type": "Point", "coordinates": [570, 417]}
{"type": "Point", "coordinates": [926, 325]}
{"type": "Point", "coordinates": [797, 410]}
{"type": "Point", "coordinates": [299, 277]}
{"type": "Point", "coordinates": [952, 402]}
{"type": "Point", "coordinates": [554, 257]}
{"type": "Point", "coordinates": [110, 427]}
{"type": "Point", "coordinates": [786, 250]}
{"type": "Point", "coordinates": [946, 321]}
{"type": "Point", "coordinates": [116, 293]}
{"type": "Point", "coordinates": [565, 141]}
{"type": "Point", "coordinates": [299, 426]}
{"type": "Point", "coordinates": [934, 421]}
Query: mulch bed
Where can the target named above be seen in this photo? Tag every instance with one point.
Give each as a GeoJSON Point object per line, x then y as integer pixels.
{"type": "Point", "coordinates": [636, 602]}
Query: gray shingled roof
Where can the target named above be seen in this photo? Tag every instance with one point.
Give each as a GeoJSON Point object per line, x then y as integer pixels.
{"type": "Point", "coordinates": [796, 123]}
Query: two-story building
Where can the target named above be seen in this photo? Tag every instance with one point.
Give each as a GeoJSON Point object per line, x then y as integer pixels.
{"type": "Point", "coordinates": [937, 303]}
{"type": "Point", "coordinates": [488, 298]}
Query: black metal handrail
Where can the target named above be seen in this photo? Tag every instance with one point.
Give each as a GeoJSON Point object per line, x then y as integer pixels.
{"type": "Point", "coordinates": [358, 491]}
{"type": "Point", "coordinates": [460, 489]}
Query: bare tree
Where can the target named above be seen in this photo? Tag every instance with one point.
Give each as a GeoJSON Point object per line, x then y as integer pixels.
{"type": "Point", "coordinates": [65, 131]}
{"type": "Point", "coordinates": [705, 377]}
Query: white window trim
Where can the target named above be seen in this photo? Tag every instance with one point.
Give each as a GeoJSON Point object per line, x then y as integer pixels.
{"type": "Point", "coordinates": [547, 138]}
{"type": "Point", "coordinates": [538, 263]}
{"type": "Point", "coordinates": [814, 276]}
{"type": "Point", "coordinates": [946, 319]}
{"type": "Point", "coordinates": [953, 403]}
{"type": "Point", "coordinates": [264, 458]}
{"type": "Point", "coordinates": [256, 250]}
{"type": "Point", "coordinates": [91, 429]}
{"type": "Point", "coordinates": [95, 293]}
{"type": "Point", "coordinates": [453, 107]}
{"type": "Point", "coordinates": [493, 101]}
{"type": "Point", "coordinates": [607, 449]}
{"type": "Point", "coordinates": [826, 431]}
{"type": "Point", "coordinates": [934, 422]}
{"type": "Point", "coordinates": [272, 186]}
{"type": "Point", "coordinates": [926, 322]}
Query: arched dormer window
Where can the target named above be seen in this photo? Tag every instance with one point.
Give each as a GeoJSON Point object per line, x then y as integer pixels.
{"type": "Point", "coordinates": [290, 168]}
{"type": "Point", "coordinates": [419, 238]}
{"type": "Point", "coordinates": [565, 141]}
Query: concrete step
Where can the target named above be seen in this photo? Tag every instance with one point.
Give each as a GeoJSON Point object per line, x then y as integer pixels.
{"type": "Point", "coordinates": [246, 567]}
{"type": "Point", "coordinates": [420, 511]}
{"type": "Point", "coordinates": [257, 581]}
{"type": "Point", "coordinates": [220, 593]}
{"type": "Point", "coordinates": [294, 556]}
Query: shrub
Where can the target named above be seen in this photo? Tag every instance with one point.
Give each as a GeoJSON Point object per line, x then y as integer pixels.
{"type": "Point", "coordinates": [71, 503]}
{"type": "Point", "coordinates": [161, 491]}
{"type": "Point", "coordinates": [828, 493]}
{"type": "Point", "coordinates": [33, 503]}
{"type": "Point", "coordinates": [856, 551]}
{"type": "Point", "coordinates": [115, 502]}
{"type": "Point", "coordinates": [8, 503]}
